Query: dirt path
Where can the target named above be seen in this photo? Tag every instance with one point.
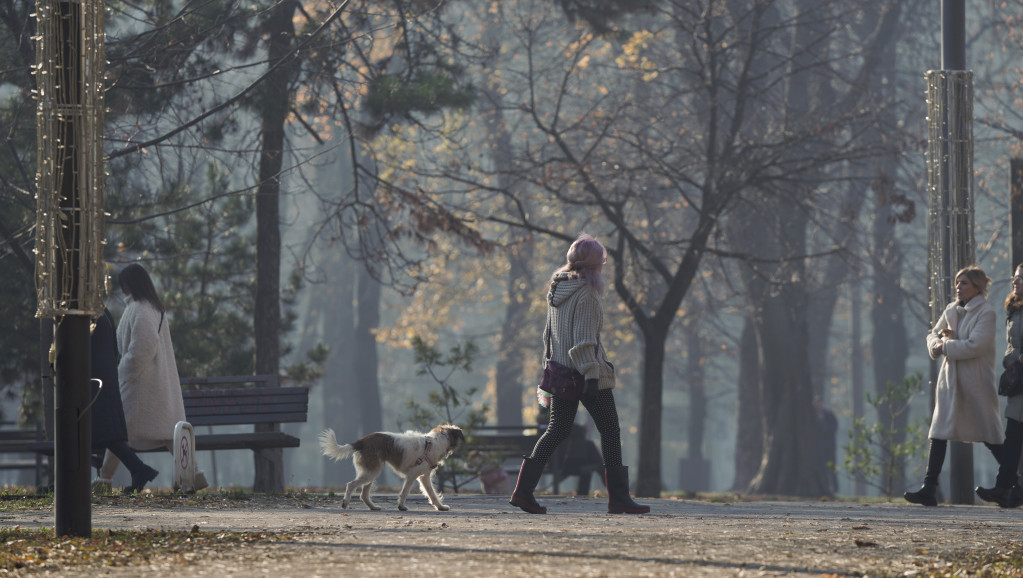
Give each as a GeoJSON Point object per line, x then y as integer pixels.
{"type": "Point", "coordinates": [482, 537]}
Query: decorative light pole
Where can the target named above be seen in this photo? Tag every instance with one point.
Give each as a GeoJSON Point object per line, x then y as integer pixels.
{"type": "Point", "coordinates": [950, 188]}
{"type": "Point", "coordinates": [70, 277]}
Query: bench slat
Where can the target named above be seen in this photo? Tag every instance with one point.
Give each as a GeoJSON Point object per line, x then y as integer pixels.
{"type": "Point", "coordinates": [245, 408]}
{"type": "Point", "coordinates": [245, 440]}
{"type": "Point", "coordinates": [271, 380]}
{"type": "Point", "coordinates": [202, 395]}
{"type": "Point", "coordinates": [19, 465]}
{"type": "Point", "coordinates": [233, 419]}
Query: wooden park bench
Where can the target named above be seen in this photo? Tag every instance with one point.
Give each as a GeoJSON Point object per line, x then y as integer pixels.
{"type": "Point", "coordinates": [508, 444]}
{"type": "Point", "coordinates": [243, 400]}
{"type": "Point", "coordinates": [236, 400]}
{"type": "Point", "coordinates": [18, 442]}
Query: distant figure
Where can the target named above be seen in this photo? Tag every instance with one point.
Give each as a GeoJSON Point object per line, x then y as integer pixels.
{"type": "Point", "coordinates": [572, 338]}
{"type": "Point", "coordinates": [1007, 492]}
{"type": "Point", "coordinates": [493, 478]}
{"type": "Point", "coordinates": [150, 388]}
{"type": "Point", "coordinates": [108, 427]}
{"type": "Point", "coordinates": [826, 443]}
{"type": "Point", "coordinates": [965, 398]}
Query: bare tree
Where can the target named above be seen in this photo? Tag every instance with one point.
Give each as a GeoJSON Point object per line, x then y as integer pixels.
{"type": "Point", "coordinates": [648, 141]}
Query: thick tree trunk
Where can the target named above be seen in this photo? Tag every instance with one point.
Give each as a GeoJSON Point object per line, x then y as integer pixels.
{"type": "Point", "coordinates": [366, 359]}
{"type": "Point", "coordinates": [889, 345]}
{"type": "Point", "coordinates": [648, 482]}
{"type": "Point", "coordinates": [337, 306]}
{"type": "Point", "coordinates": [516, 369]}
{"type": "Point", "coordinates": [749, 447]}
{"type": "Point", "coordinates": [517, 372]}
{"type": "Point", "coordinates": [269, 469]}
{"type": "Point", "coordinates": [789, 466]}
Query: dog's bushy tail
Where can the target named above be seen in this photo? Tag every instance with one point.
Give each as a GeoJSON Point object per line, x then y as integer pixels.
{"type": "Point", "coordinates": [332, 449]}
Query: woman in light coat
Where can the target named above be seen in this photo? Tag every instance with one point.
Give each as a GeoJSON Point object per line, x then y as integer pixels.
{"type": "Point", "coordinates": [1007, 492]}
{"type": "Point", "coordinates": [150, 388]}
{"type": "Point", "coordinates": [965, 398]}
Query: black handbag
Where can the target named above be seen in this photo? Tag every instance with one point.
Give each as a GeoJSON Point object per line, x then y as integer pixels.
{"type": "Point", "coordinates": [1011, 382]}
{"type": "Point", "coordinates": [562, 381]}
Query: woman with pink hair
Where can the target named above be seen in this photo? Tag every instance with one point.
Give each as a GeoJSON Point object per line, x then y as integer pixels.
{"type": "Point", "coordinates": [572, 338]}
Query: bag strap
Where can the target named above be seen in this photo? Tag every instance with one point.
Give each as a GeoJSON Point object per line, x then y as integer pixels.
{"type": "Point", "coordinates": [547, 353]}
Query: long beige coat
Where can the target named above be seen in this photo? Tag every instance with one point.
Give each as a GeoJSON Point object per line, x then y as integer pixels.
{"type": "Point", "coordinates": [150, 388]}
{"type": "Point", "coordinates": [966, 397]}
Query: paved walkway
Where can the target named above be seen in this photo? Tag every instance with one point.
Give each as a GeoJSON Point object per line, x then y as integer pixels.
{"type": "Point", "coordinates": [482, 536]}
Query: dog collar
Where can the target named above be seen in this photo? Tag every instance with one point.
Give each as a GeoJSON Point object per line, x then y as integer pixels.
{"type": "Point", "coordinates": [426, 456]}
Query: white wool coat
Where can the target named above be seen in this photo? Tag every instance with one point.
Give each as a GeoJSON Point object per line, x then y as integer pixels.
{"type": "Point", "coordinates": [966, 397]}
{"type": "Point", "coordinates": [150, 388]}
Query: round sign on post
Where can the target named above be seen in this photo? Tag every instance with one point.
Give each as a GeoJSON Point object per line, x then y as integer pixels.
{"type": "Point", "coordinates": [184, 457]}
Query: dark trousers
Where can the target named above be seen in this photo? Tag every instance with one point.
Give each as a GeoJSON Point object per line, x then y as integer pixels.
{"type": "Point", "coordinates": [1007, 466]}
{"type": "Point", "coordinates": [562, 413]}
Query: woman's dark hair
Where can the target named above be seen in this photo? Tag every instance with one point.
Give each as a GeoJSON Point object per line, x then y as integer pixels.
{"type": "Point", "coordinates": [1013, 302]}
{"type": "Point", "coordinates": [135, 281]}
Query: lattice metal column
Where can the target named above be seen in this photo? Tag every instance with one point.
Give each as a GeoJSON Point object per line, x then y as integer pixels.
{"type": "Point", "coordinates": [70, 277]}
{"type": "Point", "coordinates": [70, 60]}
{"type": "Point", "coordinates": [949, 180]}
{"type": "Point", "coordinates": [950, 231]}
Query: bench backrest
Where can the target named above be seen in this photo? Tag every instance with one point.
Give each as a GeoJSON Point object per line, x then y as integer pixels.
{"type": "Point", "coordinates": [205, 405]}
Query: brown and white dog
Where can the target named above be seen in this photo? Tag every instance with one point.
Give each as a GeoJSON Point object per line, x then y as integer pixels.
{"type": "Point", "coordinates": [412, 455]}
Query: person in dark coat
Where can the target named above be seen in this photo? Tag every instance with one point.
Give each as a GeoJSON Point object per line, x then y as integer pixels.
{"type": "Point", "coordinates": [109, 431]}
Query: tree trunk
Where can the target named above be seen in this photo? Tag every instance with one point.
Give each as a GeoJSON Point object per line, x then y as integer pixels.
{"type": "Point", "coordinates": [269, 469]}
{"type": "Point", "coordinates": [749, 447]}
{"type": "Point", "coordinates": [789, 466]}
{"type": "Point", "coordinates": [857, 361]}
{"type": "Point", "coordinates": [338, 305]}
{"type": "Point", "coordinates": [697, 390]}
{"type": "Point", "coordinates": [889, 344]}
{"type": "Point", "coordinates": [516, 370]}
{"type": "Point", "coordinates": [366, 361]}
{"type": "Point", "coordinates": [648, 482]}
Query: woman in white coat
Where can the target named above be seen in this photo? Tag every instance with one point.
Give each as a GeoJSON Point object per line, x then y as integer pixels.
{"type": "Point", "coordinates": [965, 398]}
{"type": "Point", "coordinates": [148, 374]}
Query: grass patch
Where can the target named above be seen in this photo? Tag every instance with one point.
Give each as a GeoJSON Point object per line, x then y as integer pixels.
{"type": "Point", "coordinates": [30, 550]}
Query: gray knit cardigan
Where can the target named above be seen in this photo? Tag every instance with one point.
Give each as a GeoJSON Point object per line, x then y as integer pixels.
{"type": "Point", "coordinates": [574, 321]}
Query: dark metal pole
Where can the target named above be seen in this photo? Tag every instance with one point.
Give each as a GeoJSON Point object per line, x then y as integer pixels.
{"type": "Point", "coordinates": [72, 433]}
{"type": "Point", "coordinates": [953, 34]}
{"type": "Point", "coordinates": [1016, 213]}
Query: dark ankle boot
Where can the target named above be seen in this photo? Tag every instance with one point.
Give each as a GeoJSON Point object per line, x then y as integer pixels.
{"type": "Point", "coordinates": [1006, 497]}
{"type": "Point", "coordinates": [925, 496]}
{"type": "Point", "coordinates": [529, 476]}
{"type": "Point", "coordinates": [618, 499]}
{"type": "Point", "coordinates": [1015, 498]}
{"type": "Point", "coordinates": [140, 478]}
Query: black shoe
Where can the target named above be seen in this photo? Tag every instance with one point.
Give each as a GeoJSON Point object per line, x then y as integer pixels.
{"type": "Point", "coordinates": [1004, 497]}
{"type": "Point", "coordinates": [529, 476]}
{"type": "Point", "coordinates": [140, 479]}
{"type": "Point", "coordinates": [618, 499]}
{"type": "Point", "coordinates": [925, 496]}
{"type": "Point", "coordinates": [1015, 498]}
